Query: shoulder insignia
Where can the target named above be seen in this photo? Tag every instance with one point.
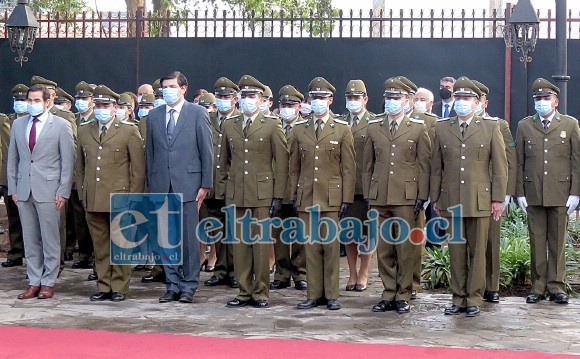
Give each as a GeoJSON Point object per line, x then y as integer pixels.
{"type": "Point", "coordinates": [272, 117]}
{"type": "Point", "coordinates": [490, 118]}
{"type": "Point", "coordinates": [416, 120]}
{"type": "Point", "coordinates": [301, 122]}
{"type": "Point", "coordinates": [376, 120]}
{"type": "Point", "coordinates": [127, 123]}
{"type": "Point", "coordinates": [87, 122]}
{"type": "Point", "coordinates": [232, 117]}
{"type": "Point", "coordinates": [3, 114]}
{"type": "Point", "coordinates": [443, 119]}
{"type": "Point", "coordinates": [340, 121]}
{"type": "Point", "coordinates": [430, 114]}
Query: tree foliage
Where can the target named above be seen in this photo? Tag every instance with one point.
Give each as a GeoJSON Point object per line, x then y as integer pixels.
{"type": "Point", "coordinates": [61, 6]}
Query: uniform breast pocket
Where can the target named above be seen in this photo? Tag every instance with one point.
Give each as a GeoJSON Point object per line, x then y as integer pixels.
{"type": "Point", "coordinates": [530, 147]}
{"type": "Point", "coordinates": [334, 192]}
{"type": "Point", "coordinates": [411, 151]}
{"type": "Point", "coordinates": [119, 155]}
{"type": "Point", "coordinates": [333, 152]}
{"type": "Point", "coordinates": [262, 145]}
{"type": "Point", "coordinates": [482, 151]}
{"type": "Point", "coordinates": [562, 149]}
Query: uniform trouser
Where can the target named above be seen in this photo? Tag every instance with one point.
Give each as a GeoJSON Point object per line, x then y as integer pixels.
{"type": "Point", "coordinates": [468, 262]}
{"type": "Point", "coordinates": [547, 227]}
{"type": "Point", "coordinates": [77, 230]}
{"type": "Point", "coordinates": [492, 260]}
{"type": "Point", "coordinates": [224, 265]}
{"type": "Point", "coordinates": [111, 278]}
{"type": "Point", "coordinates": [290, 258]}
{"type": "Point", "coordinates": [40, 222]}
{"type": "Point", "coordinates": [322, 260]}
{"type": "Point", "coordinates": [418, 251]}
{"type": "Point", "coordinates": [396, 261]}
{"type": "Point", "coordinates": [251, 261]}
{"type": "Point", "coordinates": [16, 250]}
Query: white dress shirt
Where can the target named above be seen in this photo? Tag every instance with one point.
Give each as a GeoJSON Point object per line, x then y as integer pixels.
{"type": "Point", "coordinates": [177, 109]}
{"type": "Point", "coordinates": [39, 125]}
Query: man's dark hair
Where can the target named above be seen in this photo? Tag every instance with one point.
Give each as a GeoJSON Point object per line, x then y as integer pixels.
{"type": "Point", "coordinates": [181, 79]}
{"type": "Point", "coordinates": [199, 92]}
{"type": "Point", "coordinates": [39, 88]}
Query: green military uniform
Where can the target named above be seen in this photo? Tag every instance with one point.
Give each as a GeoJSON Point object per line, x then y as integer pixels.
{"type": "Point", "coordinates": [146, 100]}
{"type": "Point", "coordinates": [254, 167]}
{"type": "Point", "coordinates": [395, 175]}
{"type": "Point", "coordinates": [322, 172]}
{"type": "Point", "coordinates": [63, 98]}
{"type": "Point", "coordinates": [109, 162]}
{"type": "Point", "coordinates": [267, 96]}
{"type": "Point", "coordinates": [224, 266]}
{"type": "Point", "coordinates": [548, 174]}
{"type": "Point", "coordinates": [460, 175]}
{"type": "Point", "coordinates": [290, 258]}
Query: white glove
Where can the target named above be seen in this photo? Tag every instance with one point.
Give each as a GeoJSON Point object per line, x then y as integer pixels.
{"type": "Point", "coordinates": [572, 203]}
{"type": "Point", "coordinates": [426, 204]}
{"type": "Point", "coordinates": [506, 203]}
{"type": "Point", "coordinates": [523, 204]}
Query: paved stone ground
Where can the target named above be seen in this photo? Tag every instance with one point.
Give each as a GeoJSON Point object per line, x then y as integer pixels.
{"type": "Point", "coordinates": [509, 325]}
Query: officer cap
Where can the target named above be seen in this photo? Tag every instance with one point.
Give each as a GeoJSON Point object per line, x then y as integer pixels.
{"type": "Point", "coordinates": [62, 96]}
{"type": "Point", "coordinates": [225, 86]}
{"type": "Point", "coordinates": [37, 80]}
{"type": "Point", "coordinates": [83, 89]}
{"type": "Point", "coordinates": [543, 87]}
{"type": "Point", "coordinates": [395, 88]}
{"type": "Point", "coordinates": [157, 90]}
{"type": "Point", "coordinates": [320, 87]}
{"type": "Point", "coordinates": [268, 92]}
{"type": "Point", "coordinates": [465, 87]}
{"type": "Point", "coordinates": [19, 92]}
{"type": "Point", "coordinates": [147, 100]}
{"type": "Point", "coordinates": [410, 84]}
{"type": "Point", "coordinates": [125, 99]}
{"type": "Point", "coordinates": [289, 94]}
{"type": "Point", "coordinates": [249, 84]}
{"type": "Point", "coordinates": [355, 87]}
{"type": "Point", "coordinates": [207, 99]}
{"type": "Point", "coordinates": [484, 89]}
{"type": "Point", "coordinates": [105, 94]}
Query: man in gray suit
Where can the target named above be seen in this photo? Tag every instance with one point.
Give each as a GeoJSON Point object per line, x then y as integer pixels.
{"type": "Point", "coordinates": [179, 154]}
{"type": "Point", "coordinates": [41, 160]}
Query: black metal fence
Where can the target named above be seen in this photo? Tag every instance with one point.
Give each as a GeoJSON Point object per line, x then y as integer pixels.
{"type": "Point", "coordinates": [273, 24]}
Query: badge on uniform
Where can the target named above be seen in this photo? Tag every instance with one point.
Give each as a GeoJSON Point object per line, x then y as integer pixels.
{"type": "Point", "coordinates": [563, 134]}
{"type": "Point", "coordinates": [334, 142]}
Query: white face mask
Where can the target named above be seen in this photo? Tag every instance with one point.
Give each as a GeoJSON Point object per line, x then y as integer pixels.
{"type": "Point", "coordinates": [248, 105]}
{"type": "Point", "coordinates": [319, 106]}
{"type": "Point", "coordinates": [354, 106]}
{"type": "Point", "coordinates": [120, 114]}
{"type": "Point", "coordinates": [421, 106]}
{"type": "Point", "coordinates": [288, 114]}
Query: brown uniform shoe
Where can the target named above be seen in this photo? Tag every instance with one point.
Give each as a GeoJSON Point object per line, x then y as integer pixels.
{"type": "Point", "coordinates": [31, 292]}
{"type": "Point", "coordinates": [46, 292]}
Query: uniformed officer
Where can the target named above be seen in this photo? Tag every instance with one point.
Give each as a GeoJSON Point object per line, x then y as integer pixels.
{"type": "Point", "coordinates": [110, 159]}
{"type": "Point", "coordinates": [124, 110]}
{"type": "Point", "coordinates": [358, 118]}
{"type": "Point", "coordinates": [16, 251]}
{"type": "Point", "coordinates": [226, 98]}
{"type": "Point", "coordinates": [207, 100]}
{"type": "Point", "coordinates": [464, 148]}
{"type": "Point", "coordinates": [254, 167]}
{"type": "Point", "coordinates": [267, 102]}
{"type": "Point", "coordinates": [492, 253]}
{"type": "Point", "coordinates": [548, 189]}
{"type": "Point", "coordinates": [158, 92]}
{"type": "Point", "coordinates": [396, 183]}
{"type": "Point", "coordinates": [290, 258]}
{"type": "Point", "coordinates": [63, 100]}
{"type": "Point", "coordinates": [323, 173]}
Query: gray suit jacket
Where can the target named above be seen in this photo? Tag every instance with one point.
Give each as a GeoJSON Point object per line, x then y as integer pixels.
{"type": "Point", "coordinates": [185, 163]}
{"type": "Point", "coordinates": [48, 170]}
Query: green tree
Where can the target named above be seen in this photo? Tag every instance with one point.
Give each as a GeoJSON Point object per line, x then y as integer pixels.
{"type": "Point", "coordinates": [62, 6]}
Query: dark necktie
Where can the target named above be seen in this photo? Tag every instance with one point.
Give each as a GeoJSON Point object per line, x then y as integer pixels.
{"type": "Point", "coordinates": [463, 128]}
{"type": "Point", "coordinates": [318, 127]}
{"type": "Point", "coordinates": [247, 127]}
{"type": "Point", "coordinates": [446, 113]}
{"type": "Point", "coordinates": [288, 128]}
{"type": "Point", "coordinates": [171, 125]}
{"type": "Point", "coordinates": [393, 128]}
{"type": "Point", "coordinates": [221, 123]}
{"type": "Point", "coordinates": [354, 123]}
{"type": "Point", "coordinates": [546, 124]}
{"type": "Point", "coordinates": [103, 133]}
{"type": "Point", "coordinates": [32, 136]}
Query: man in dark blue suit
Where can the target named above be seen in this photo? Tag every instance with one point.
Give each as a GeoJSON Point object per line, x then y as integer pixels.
{"type": "Point", "coordinates": [179, 154]}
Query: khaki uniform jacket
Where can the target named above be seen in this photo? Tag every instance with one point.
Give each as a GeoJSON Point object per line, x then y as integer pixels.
{"type": "Point", "coordinates": [289, 139]}
{"type": "Point", "coordinates": [253, 170]}
{"type": "Point", "coordinates": [460, 167]}
{"type": "Point", "coordinates": [510, 150]}
{"type": "Point", "coordinates": [396, 169]}
{"type": "Point", "coordinates": [360, 136]}
{"type": "Point", "coordinates": [217, 144]}
{"type": "Point", "coordinates": [548, 163]}
{"type": "Point", "coordinates": [117, 165]}
{"type": "Point", "coordinates": [429, 119]}
{"type": "Point", "coordinates": [67, 115]}
{"type": "Point", "coordinates": [322, 171]}
{"type": "Point", "coordinates": [142, 127]}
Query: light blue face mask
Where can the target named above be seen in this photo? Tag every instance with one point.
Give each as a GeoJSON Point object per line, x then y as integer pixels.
{"type": "Point", "coordinates": [171, 95]}
{"type": "Point", "coordinates": [35, 109]}
{"type": "Point", "coordinates": [319, 107]}
{"type": "Point", "coordinates": [142, 112]}
{"type": "Point", "coordinates": [20, 106]}
{"type": "Point", "coordinates": [407, 108]}
{"type": "Point", "coordinates": [478, 109]}
{"type": "Point", "coordinates": [222, 105]}
{"type": "Point", "coordinates": [393, 107]}
{"type": "Point", "coordinates": [159, 102]}
{"type": "Point", "coordinates": [248, 105]}
{"type": "Point", "coordinates": [543, 107]}
{"type": "Point", "coordinates": [264, 107]}
{"type": "Point", "coordinates": [82, 105]}
{"type": "Point", "coordinates": [463, 107]}
{"type": "Point", "coordinates": [103, 115]}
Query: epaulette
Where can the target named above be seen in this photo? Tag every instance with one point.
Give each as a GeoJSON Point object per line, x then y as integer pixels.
{"type": "Point", "coordinates": [301, 122]}
{"type": "Point", "coordinates": [233, 116]}
{"type": "Point", "coordinates": [381, 114]}
{"type": "Point", "coordinates": [416, 120]}
{"type": "Point", "coordinates": [490, 118]}
{"type": "Point", "coordinates": [273, 117]}
{"type": "Point", "coordinates": [127, 123]}
{"type": "Point", "coordinates": [443, 119]}
{"type": "Point", "coordinates": [87, 122]}
{"type": "Point", "coordinates": [430, 114]}
{"type": "Point", "coordinates": [340, 121]}
{"type": "Point", "coordinates": [376, 120]}
{"type": "Point", "coordinates": [3, 114]}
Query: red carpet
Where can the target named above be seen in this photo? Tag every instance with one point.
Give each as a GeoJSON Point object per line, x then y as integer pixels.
{"type": "Point", "coordinates": [18, 342]}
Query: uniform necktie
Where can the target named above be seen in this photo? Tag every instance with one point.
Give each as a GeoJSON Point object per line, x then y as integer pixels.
{"type": "Point", "coordinates": [171, 125]}
{"type": "Point", "coordinates": [446, 113]}
{"type": "Point", "coordinates": [248, 123]}
{"type": "Point", "coordinates": [318, 127]}
{"type": "Point", "coordinates": [393, 128]}
{"type": "Point", "coordinates": [462, 128]}
{"type": "Point", "coordinates": [103, 133]}
{"type": "Point", "coordinates": [221, 123]}
{"type": "Point", "coordinates": [288, 128]}
{"type": "Point", "coordinates": [32, 136]}
{"type": "Point", "coordinates": [354, 123]}
{"type": "Point", "coordinates": [546, 124]}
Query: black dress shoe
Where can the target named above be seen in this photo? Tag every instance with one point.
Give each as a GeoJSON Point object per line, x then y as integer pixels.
{"type": "Point", "coordinates": [68, 257]}
{"type": "Point", "coordinates": [403, 306]}
{"type": "Point", "coordinates": [186, 298]}
{"type": "Point", "coordinates": [491, 297]}
{"type": "Point", "coordinates": [342, 250]}
{"type": "Point", "coordinates": [234, 282]}
{"type": "Point", "coordinates": [100, 296]}
{"type": "Point", "coordinates": [559, 298]}
{"type": "Point", "coordinates": [213, 281]}
{"type": "Point", "coordinates": [308, 304]}
{"type": "Point", "coordinates": [92, 276]}
{"type": "Point", "coordinates": [384, 306]}
{"type": "Point", "coordinates": [12, 263]}
{"type": "Point", "coordinates": [261, 303]}
{"type": "Point", "coordinates": [81, 265]}
{"type": "Point", "coordinates": [534, 298]}
{"type": "Point", "coordinates": [237, 303]}
{"type": "Point", "coordinates": [118, 297]}
{"type": "Point", "coordinates": [153, 278]}
{"type": "Point", "coordinates": [472, 311]}
{"type": "Point", "coordinates": [332, 304]}
{"type": "Point", "coordinates": [169, 296]}
{"type": "Point", "coordinates": [301, 285]}
{"type": "Point", "coordinates": [454, 310]}
{"type": "Point", "coordinates": [278, 284]}
{"type": "Point", "coordinates": [414, 295]}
